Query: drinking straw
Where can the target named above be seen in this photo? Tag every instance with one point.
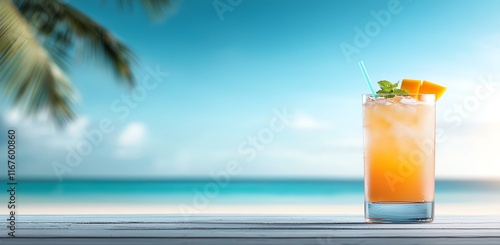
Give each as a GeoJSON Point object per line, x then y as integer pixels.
{"type": "Point", "coordinates": [367, 78]}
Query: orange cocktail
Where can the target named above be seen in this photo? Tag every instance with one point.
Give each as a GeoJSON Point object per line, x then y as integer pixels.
{"type": "Point", "coordinates": [399, 146]}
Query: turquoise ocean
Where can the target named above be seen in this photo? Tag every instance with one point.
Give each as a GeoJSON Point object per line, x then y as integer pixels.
{"type": "Point", "coordinates": [198, 195]}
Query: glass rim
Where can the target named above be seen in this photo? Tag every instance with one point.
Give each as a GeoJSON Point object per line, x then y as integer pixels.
{"type": "Point", "coordinates": [413, 94]}
{"type": "Point", "coordinates": [423, 98]}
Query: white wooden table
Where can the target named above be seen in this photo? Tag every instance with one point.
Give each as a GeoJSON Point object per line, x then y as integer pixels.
{"type": "Point", "coordinates": [247, 229]}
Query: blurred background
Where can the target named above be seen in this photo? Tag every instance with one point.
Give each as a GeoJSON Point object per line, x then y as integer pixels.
{"type": "Point", "coordinates": [247, 106]}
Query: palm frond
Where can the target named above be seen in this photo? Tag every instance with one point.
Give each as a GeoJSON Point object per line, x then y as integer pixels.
{"type": "Point", "coordinates": [156, 9]}
{"type": "Point", "coordinates": [39, 38]}
{"type": "Point", "coordinates": [45, 19]}
{"type": "Point", "coordinates": [27, 73]}
{"type": "Point", "coordinates": [101, 43]}
{"type": "Point", "coordinates": [66, 25]}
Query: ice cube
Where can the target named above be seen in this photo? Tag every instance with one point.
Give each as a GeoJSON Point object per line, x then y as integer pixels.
{"type": "Point", "coordinates": [381, 100]}
{"type": "Point", "coordinates": [408, 101]}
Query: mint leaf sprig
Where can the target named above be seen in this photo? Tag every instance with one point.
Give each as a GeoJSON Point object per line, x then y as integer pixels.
{"type": "Point", "coordinates": [389, 90]}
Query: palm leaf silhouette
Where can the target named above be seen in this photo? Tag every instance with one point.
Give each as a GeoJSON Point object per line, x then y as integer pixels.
{"type": "Point", "coordinates": [39, 40]}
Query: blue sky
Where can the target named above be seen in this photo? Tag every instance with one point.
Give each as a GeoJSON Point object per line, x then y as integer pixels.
{"type": "Point", "coordinates": [227, 77]}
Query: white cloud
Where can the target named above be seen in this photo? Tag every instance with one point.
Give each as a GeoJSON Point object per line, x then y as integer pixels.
{"type": "Point", "coordinates": [41, 130]}
{"type": "Point", "coordinates": [132, 135]}
{"type": "Point", "coordinates": [76, 128]}
{"type": "Point", "coordinates": [12, 117]}
{"type": "Point", "coordinates": [306, 122]}
{"type": "Point", "coordinates": [131, 141]}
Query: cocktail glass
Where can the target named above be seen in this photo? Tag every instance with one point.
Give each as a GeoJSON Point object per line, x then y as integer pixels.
{"type": "Point", "coordinates": [399, 153]}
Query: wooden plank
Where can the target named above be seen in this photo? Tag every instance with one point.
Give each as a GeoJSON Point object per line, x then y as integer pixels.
{"type": "Point", "coordinates": [255, 241]}
{"type": "Point", "coordinates": [259, 229]}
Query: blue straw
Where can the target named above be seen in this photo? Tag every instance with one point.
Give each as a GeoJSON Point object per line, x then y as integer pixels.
{"type": "Point", "coordinates": [367, 78]}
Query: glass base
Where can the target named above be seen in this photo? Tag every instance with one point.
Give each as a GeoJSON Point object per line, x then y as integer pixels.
{"type": "Point", "coordinates": [397, 212]}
